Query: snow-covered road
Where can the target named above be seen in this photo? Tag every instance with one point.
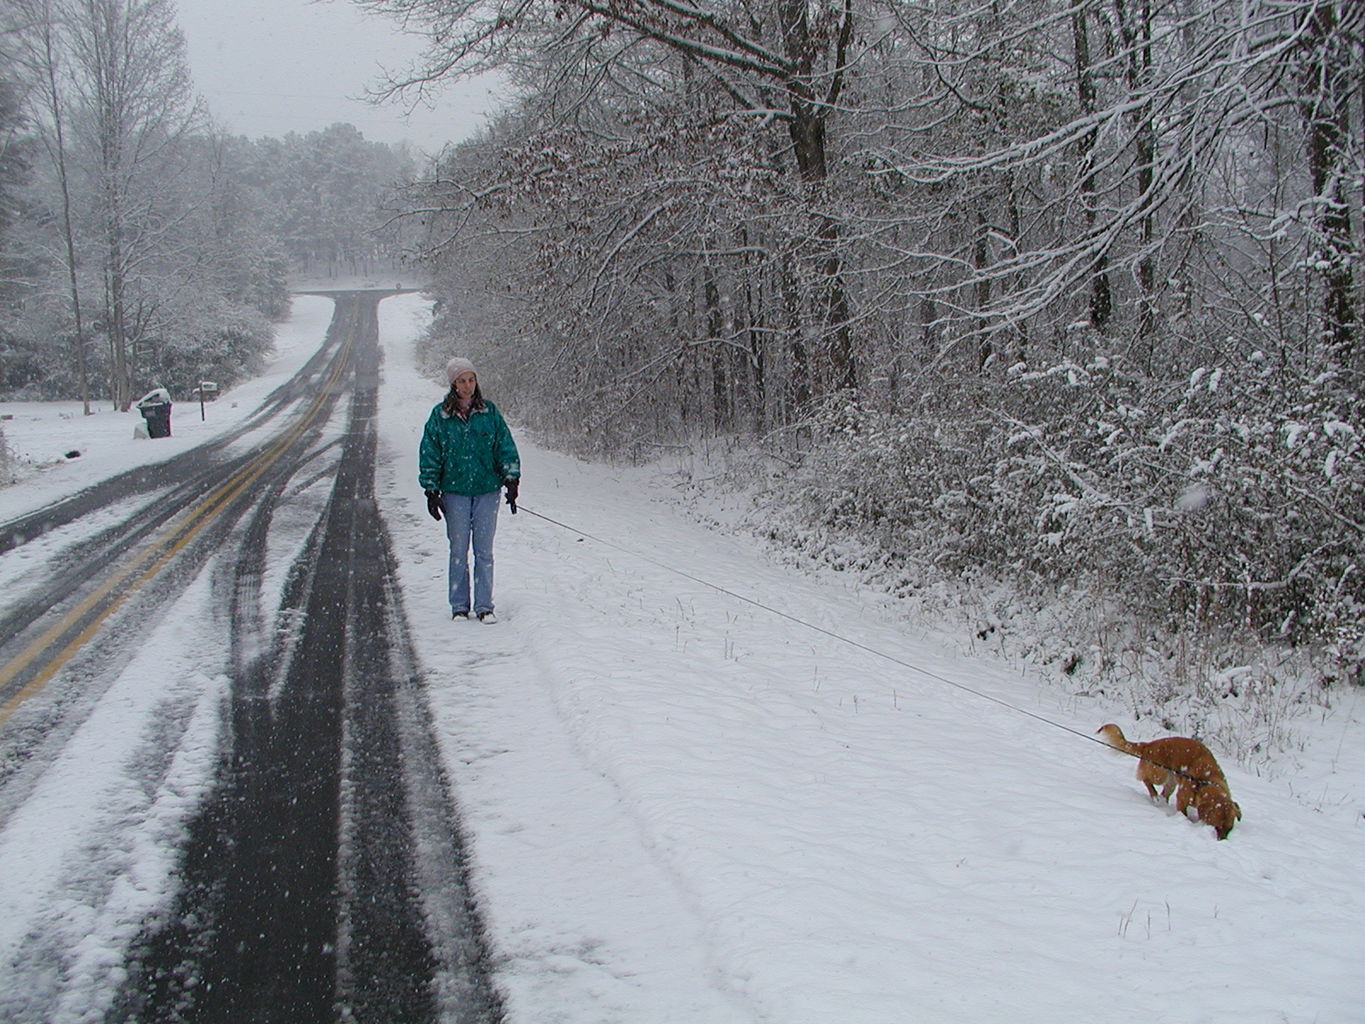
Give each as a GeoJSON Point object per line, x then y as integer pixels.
{"type": "Point", "coordinates": [684, 805]}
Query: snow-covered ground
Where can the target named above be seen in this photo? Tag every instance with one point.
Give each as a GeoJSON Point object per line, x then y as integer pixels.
{"type": "Point", "coordinates": [703, 787]}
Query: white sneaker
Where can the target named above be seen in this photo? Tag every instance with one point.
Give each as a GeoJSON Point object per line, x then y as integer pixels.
{"type": "Point", "coordinates": [488, 618]}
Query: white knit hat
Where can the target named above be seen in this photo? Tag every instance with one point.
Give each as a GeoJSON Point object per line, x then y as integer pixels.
{"type": "Point", "coordinates": [458, 366]}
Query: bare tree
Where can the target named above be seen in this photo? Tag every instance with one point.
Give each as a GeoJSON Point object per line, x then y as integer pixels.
{"type": "Point", "coordinates": [39, 51]}
{"type": "Point", "coordinates": [783, 60]}
{"type": "Point", "coordinates": [134, 107]}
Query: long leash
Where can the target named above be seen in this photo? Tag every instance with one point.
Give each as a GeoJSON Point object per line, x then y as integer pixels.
{"type": "Point", "coordinates": [856, 644]}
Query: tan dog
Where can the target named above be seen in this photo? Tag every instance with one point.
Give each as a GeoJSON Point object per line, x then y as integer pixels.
{"type": "Point", "coordinates": [1180, 765]}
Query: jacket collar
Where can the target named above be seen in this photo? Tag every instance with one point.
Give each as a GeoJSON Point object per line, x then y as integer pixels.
{"type": "Point", "coordinates": [472, 412]}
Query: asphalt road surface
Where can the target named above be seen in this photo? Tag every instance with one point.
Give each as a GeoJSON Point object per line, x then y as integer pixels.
{"type": "Point", "coordinates": [324, 877]}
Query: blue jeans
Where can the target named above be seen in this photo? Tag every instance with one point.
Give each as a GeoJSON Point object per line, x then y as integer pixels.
{"type": "Point", "coordinates": [471, 520]}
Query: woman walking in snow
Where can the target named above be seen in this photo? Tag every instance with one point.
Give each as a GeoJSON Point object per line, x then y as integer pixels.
{"type": "Point", "coordinates": [467, 454]}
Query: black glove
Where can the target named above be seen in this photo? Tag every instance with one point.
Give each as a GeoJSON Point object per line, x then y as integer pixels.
{"type": "Point", "coordinates": [512, 495]}
{"type": "Point", "coordinates": [434, 504]}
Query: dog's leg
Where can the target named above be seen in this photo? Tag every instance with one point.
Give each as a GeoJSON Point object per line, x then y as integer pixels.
{"type": "Point", "coordinates": [1184, 796]}
{"type": "Point", "coordinates": [1169, 786]}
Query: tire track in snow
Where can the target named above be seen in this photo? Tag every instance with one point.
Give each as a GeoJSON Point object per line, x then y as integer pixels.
{"type": "Point", "coordinates": [308, 894]}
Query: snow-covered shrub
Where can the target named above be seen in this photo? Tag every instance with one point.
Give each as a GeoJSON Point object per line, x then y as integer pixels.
{"type": "Point", "coordinates": [1230, 501]}
{"type": "Point", "coordinates": [226, 343]}
{"type": "Point", "coordinates": [1231, 504]}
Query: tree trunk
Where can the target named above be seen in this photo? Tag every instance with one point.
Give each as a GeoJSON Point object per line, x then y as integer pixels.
{"type": "Point", "coordinates": [1137, 44]}
{"type": "Point", "coordinates": [58, 153]}
{"type": "Point", "coordinates": [800, 362]}
{"type": "Point", "coordinates": [753, 313]}
{"type": "Point", "coordinates": [806, 125]}
{"type": "Point", "coordinates": [1101, 301]}
{"type": "Point", "coordinates": [982, 288]}
{"type": "Point", "coordinates": [716, 361]}
{"type": "Point", "coordinates": [1325, 105]}
{"type": "Point", "coordinates": [115, 281]}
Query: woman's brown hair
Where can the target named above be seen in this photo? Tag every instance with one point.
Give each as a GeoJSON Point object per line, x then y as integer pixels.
{"type": "Point", "coordinates": [451, 403]}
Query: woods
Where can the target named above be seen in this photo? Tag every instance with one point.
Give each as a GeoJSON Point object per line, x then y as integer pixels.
{"type": "Point", "coordinates": [141, 244]}
{"type": "Point", "coordinates": [1059, 301]}
{"type": "Point", "coordinates": [1063, 295]}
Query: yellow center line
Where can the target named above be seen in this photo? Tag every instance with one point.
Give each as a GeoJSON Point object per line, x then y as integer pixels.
{"type": "Point", "coordinates": [159, 551]}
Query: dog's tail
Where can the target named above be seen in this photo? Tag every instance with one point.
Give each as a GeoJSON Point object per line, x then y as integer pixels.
{"type": "Point", "coordinates": [1113, 735]}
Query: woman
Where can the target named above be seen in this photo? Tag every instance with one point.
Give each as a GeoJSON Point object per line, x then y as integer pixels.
{"type": "Point", "coordinates": [467, 453]}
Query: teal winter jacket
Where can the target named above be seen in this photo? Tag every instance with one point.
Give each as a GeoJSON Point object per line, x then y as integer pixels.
{"type": "Point", "coordinates": [467, 457]}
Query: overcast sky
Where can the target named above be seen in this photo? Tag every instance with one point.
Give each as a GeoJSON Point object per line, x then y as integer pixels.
{"type": "Point", "coordinates": [267, 67]}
